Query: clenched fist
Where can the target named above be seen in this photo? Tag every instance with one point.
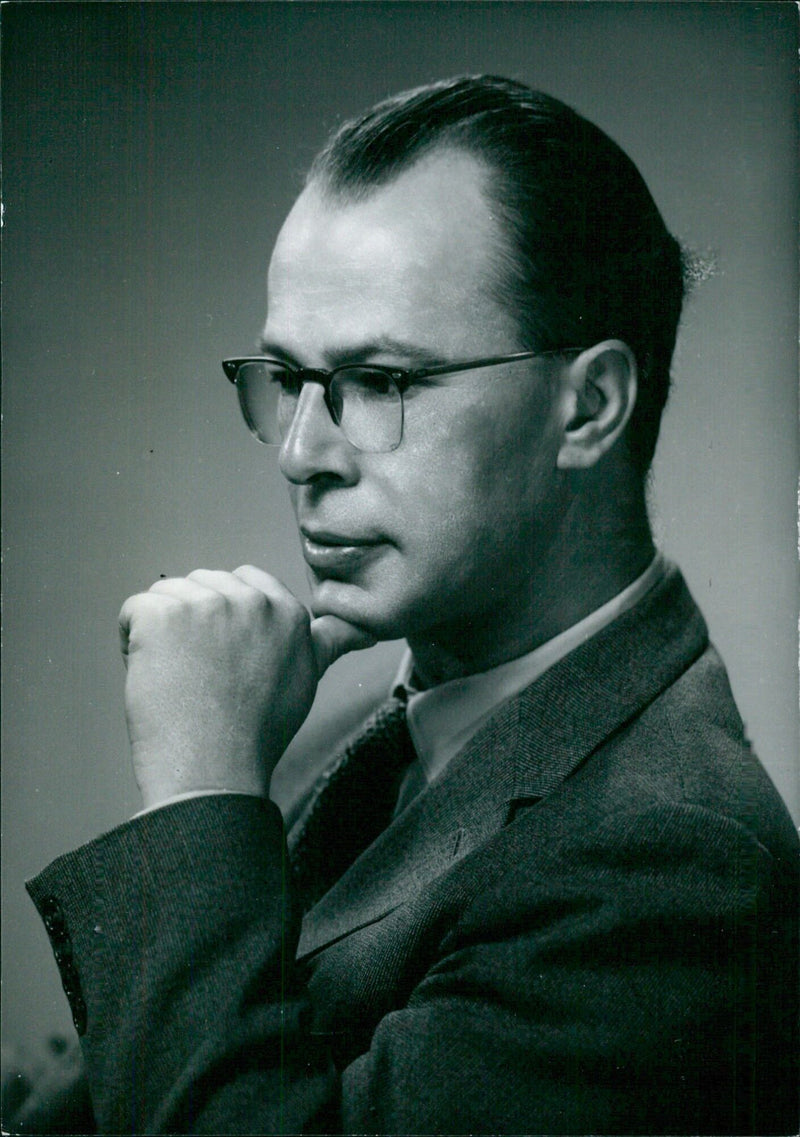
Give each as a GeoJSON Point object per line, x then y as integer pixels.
{"type": "Point", "coordinates": [222, 669]}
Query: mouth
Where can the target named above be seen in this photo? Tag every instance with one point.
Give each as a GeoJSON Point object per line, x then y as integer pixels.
{"type": "Point", "coordinates": [337, 553]}
{"type": "Point", "coordinates": [325, 538]}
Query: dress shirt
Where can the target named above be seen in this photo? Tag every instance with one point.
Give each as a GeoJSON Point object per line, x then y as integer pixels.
{"type": "Point", "coordinates": [444, 718]}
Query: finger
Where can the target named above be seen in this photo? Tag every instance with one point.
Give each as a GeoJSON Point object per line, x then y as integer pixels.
{"type": "Point", "coordinates": [332, 638]}
{"type": "Point", "coordinates": [183, 587]}
{"type": "Point", "coordinates": [226, 583]}
{"type": "Point", "coordinates": [151, 604]}
{"type": "Point", "coordinates": [279, 596]}
{"type": "Point", "coordinates": [262, 582]}
{"type": "Point", "coordinates": [137, 607]}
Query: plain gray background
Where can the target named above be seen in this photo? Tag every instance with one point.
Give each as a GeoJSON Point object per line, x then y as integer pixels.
{"type": "Point", "coordinates": [150, 154]}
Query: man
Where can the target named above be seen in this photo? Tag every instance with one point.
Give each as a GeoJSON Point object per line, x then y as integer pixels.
{"type": "Point", "coordinates": [548, 889]}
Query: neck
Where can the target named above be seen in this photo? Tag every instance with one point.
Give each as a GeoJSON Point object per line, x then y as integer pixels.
{"type": "Point", "coordinates": [592, 560]}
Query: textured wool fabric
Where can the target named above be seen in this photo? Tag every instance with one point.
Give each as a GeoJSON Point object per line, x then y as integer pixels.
{"type": "Point", "coordinates": [588, 924]}
{"type": "Point", "coordinates": [363, 783]}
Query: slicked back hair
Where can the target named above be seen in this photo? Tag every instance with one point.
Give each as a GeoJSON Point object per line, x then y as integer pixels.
{"type": "Point", "coordinates": [586, 255]}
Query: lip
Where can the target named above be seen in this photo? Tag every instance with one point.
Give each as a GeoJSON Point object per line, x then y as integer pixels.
{"type": "Point", "coordinates": [329, 553]}
{"type": "Point", "coordinates": [324, 537]}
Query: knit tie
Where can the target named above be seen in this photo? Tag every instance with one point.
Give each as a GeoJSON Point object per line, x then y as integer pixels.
{"type": "Point", "coordinates": [352, 802]}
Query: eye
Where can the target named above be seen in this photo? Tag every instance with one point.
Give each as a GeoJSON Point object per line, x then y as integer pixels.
{"type": "Point", "coordinates": [289, 381]}
{"type": "Point", "coordinates": [367, 382]}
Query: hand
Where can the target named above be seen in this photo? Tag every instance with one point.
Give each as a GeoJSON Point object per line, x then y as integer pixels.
{"type": "Point", "coordinates": [222, 669]}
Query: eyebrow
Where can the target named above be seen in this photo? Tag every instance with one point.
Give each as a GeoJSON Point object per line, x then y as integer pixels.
{"type": "Point", "coordinates": [360, 352]}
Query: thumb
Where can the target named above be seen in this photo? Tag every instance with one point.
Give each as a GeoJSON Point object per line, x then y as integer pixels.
{"type": "Point", "coordinates": [332, 637]}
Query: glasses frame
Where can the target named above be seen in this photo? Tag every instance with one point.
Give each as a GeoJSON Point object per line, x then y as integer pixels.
{"type": "Point", "coordinates": [403, 377]}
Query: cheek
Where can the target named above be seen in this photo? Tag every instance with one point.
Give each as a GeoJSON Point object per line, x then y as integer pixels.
{"type": "Point", "coordinates": [495, 453]}
{"type": "Point", "coordinates": [445, 465]}
{"type": "Point", "coordinates": [473, 482]}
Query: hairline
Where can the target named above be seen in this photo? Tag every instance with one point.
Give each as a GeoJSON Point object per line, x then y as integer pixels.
{"type": "Point", "coordinates": [501, 284]}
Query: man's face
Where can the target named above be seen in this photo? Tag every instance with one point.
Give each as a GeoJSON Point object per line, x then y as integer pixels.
{"type": "Point", "coordinates": [440, 538]}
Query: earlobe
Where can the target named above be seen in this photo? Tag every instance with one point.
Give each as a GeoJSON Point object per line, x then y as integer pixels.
{"type": "Point", "coordinates": [600, 394]}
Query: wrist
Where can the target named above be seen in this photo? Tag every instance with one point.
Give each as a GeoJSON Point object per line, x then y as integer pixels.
{"type": "Point", "coordinates": [162, 780]}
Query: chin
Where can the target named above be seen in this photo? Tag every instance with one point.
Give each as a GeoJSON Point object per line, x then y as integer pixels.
{"type": "Point", "coordinates": [356, 606]}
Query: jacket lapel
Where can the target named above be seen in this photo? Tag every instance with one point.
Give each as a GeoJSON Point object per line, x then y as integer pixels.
{"type": "Point", "coordinates": [522, 753]}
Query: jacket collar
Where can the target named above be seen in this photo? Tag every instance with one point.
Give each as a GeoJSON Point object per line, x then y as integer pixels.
{"type": "Point", "coordinates": [523, 752]}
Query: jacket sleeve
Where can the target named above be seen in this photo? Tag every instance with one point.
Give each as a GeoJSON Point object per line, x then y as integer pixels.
{"type": "Point", "coordinates": [605, 986]}
{"type": "Point", "coordinates": [175, 937]}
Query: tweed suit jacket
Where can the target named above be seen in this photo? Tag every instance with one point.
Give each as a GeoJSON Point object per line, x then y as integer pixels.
{"type": "Point", "coordinates": [588, 924]}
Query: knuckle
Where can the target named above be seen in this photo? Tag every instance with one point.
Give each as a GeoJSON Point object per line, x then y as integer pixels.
{"type": "Point", "coordinates": [298, 615]}
{"type": "Point", "coordinates": [245, 573]}
{"type": "Point", "coordinates": [202, 574]}
{"type": "Point", "coordinates": [164, 582]}
{"type": "Point", "coordinates": [212, 602]}
{"type": "Point", "coordinates": [131, 605]}
{"type": "Point", "coordinates": [255, 605]}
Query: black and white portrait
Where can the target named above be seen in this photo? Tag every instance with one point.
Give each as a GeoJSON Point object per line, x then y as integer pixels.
{"type": "Point", "coordinates": [400, 568]}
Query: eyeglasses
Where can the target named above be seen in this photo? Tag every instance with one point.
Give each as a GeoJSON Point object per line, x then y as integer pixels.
{"type": "Point", "coordinates": [364, 400]}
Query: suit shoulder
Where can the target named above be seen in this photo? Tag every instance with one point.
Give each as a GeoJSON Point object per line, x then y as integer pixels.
{"type": "Point", "coordinates": [689, 747]}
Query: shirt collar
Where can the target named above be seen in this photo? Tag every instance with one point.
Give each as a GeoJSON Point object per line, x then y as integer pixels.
{"type": "Point", "coordinates": [442, 719]}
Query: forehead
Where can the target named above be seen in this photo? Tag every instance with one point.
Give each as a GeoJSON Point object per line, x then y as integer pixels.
{"type": "Point", "coordinates": [413, 260]}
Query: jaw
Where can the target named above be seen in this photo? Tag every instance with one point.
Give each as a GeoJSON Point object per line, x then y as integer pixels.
{"type": "Point", "coordinates": [447, 642]}
{"type": "Point", "coordinates": [354, 601]}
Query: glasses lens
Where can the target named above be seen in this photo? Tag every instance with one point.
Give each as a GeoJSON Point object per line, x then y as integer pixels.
{"type": "Point", "coordinates": [268, 395]}
{"type": "Point", "coordinates": [365, 403]}
{"type": "Point", "coordinates": [368, 406]}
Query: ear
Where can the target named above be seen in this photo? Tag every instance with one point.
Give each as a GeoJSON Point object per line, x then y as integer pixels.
{"type": "Point", "coordinates": [599, 395]}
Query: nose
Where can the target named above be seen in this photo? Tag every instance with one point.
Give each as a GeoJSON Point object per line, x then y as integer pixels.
{"type": "Point", "coordinates": [314, 446]}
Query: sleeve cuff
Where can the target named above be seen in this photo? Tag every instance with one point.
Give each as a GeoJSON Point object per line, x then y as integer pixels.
{"type": "Point", "coordinates": [187, 796]}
